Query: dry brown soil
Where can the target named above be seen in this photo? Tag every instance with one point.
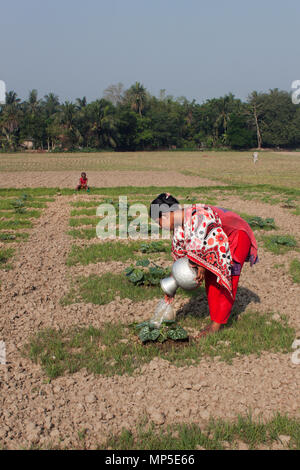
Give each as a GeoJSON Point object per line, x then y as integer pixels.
{"type": "Point", "coordinates": [35, 412]}
{"type": "Point", "coordinates": [100, 179]}
{"type": "Point", "coordinates": [158, 168]}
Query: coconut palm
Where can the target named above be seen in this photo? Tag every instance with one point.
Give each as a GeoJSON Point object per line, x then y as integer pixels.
{"type": "Point", "coordinates": [51, 104]}
{"type": "Point", "coordinates": [33, 101]}
{"type": "Point", "coordinates": [68, 115]}
{"type": "Point", "coordinates": [68, 120]}
{"type": "Point", "coordinates": [136, 96]}
{"type": "Point", "coordinates": [81, 103]}
{"type": "Point", "coordinates": [225, 105]}
{"type": "Point", "coordinates": [10, 119]}
{"type": "Point", "coordinates": [12, 98]}
{"type": "Point", "coordinates": [101, 123]}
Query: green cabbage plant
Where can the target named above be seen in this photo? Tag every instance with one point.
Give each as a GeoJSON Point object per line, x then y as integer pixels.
{"type": "Point", "coordinates": [169, 329]}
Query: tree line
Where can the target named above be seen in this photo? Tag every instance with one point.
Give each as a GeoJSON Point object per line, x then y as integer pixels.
{"type": "Point", "coordinates": [133, 119]}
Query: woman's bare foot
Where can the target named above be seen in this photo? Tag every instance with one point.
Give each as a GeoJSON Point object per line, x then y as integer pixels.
{"type": "Point", "coordinates": [206, 331]}
{"type": "Point", "coordinates": [213, 327]}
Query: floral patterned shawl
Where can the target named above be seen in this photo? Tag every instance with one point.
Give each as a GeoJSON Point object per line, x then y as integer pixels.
{"type": "Point", "coordinates": [204, 242]}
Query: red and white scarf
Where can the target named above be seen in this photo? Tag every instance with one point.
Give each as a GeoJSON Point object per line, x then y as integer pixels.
{"type": "Point", "coordinates": [204, 242]}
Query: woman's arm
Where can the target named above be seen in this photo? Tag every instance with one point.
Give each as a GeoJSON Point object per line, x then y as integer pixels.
{"type": "Point", "coordinates": [201, 275]}
{"type": "Point", "coordinates": [200, 272]}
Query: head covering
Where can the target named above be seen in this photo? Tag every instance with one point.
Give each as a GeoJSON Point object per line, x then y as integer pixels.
{"type": "Point", "coordinates": [163, 204]}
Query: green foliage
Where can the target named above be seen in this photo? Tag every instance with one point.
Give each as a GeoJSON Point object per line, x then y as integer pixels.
{"type": "Point", "coordinates": [7, 236]}
{"type": "Point", "coordinates": [101, 252]}
{"type": "Point", "coordinates": [83, 234]}
{"type": "Point", "coordinates": [114, 349]}
{"type": "Point", "coordinates": [5, 255]}
{"type": "Point", "coordinates": [101, 290]}
{"type": "Point", "coordinates": [295, 270]}
{"type": "Point", "coordinates": [137, 120]}
{"type": "Point", "coordinates": [107, 251]}
{"type": "Point", "coordinates": [266, 224]}
{"type": "Point", "coordinates": [152, 191]}
{"type": "Point", "coordinates": [289, 203]}
{"type": "Point", "coordinates": [26, 214]}
{"type": "Point", "coordinates": [238, 134]}
{"type": "Point", "coordinates": [15, 224]}
{"type": "Point", "coordinates": [92, 203]}
{"type": "Point", "coordinates": [257, 222]}
{"type": "Point", "coordinates": [169, 329]}
{"type": "Point", "coordinates": [76, 212]}
{"type": "Point", "coordinates": [285, 240]}
{"type": "Point", "coordinates": [146, 277]}
{"type": "Point", "coordinates": [154, 247]}
{"type": "Point", "coordinates": [13, 237]}
{"type": "Point", "coordinates": [19, 205]}
{"type": "Point", "coordinates": [279, 244]}
{"type": "Point", "coordinates": [77, 222]}
{"type": "Point", "coordinates": [213, 436]}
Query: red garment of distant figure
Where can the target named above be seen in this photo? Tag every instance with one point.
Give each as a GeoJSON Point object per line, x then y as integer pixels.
{"type": "Point", "coordinates": [83, 182]}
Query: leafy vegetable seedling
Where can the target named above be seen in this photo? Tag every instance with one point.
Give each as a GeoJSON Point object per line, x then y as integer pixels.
{"type": "Point", "coordinates": [169, 329]}
{"type": "Point", "coordinates": [146, 277]}
{"type": "Point", "coordinates": [289, 203]}
{"type": "Point", "coordinates": [154, 247]}
{"type": "Point", "coordinates": [259, 222]}
{"type": "Point", "coordinates": [19, 204]}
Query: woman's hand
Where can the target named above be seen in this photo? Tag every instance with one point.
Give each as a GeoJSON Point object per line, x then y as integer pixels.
{"type": "Point", "coordinates": [168, 299]}
{"type": "Point", "coordinates": [200, 275]}
{"type": "Point", "coordinates": [200, 272]}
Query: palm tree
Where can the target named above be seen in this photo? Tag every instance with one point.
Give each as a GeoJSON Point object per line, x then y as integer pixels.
{"type": "Point", "coordinates": [33, 101]}
{"type": "Point", "coordinates": [10, 119]}
{"type": "Point", "coordinates": [81, 103]}
{"type": "Point", "coordinates": [67, 118]}
{"type": "Point", "coordinates": [68, 115]}
{"type": "Point", "coordinates": [136, 96]}
{"type": "Point", "coordinates": [220, 109]}
{"type": "Point", "coordinates": [101, 122]}
{"type": "Point", "coordinates": [51, 104]}
{"type": "Point", "coordinates": [12, 98]}
{"type": "Point", "coordinates": [225, 106]}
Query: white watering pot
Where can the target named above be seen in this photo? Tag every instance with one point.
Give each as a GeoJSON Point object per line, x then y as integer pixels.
{"type": "Point", "coordinates": [183, 275]}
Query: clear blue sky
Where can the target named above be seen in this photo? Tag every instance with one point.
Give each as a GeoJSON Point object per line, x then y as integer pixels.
{"type": "Point", "coordinates": [195, 48]}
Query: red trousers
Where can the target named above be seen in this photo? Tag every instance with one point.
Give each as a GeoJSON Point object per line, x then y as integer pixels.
{"type": "Point", "coordinates": [219, 300]}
